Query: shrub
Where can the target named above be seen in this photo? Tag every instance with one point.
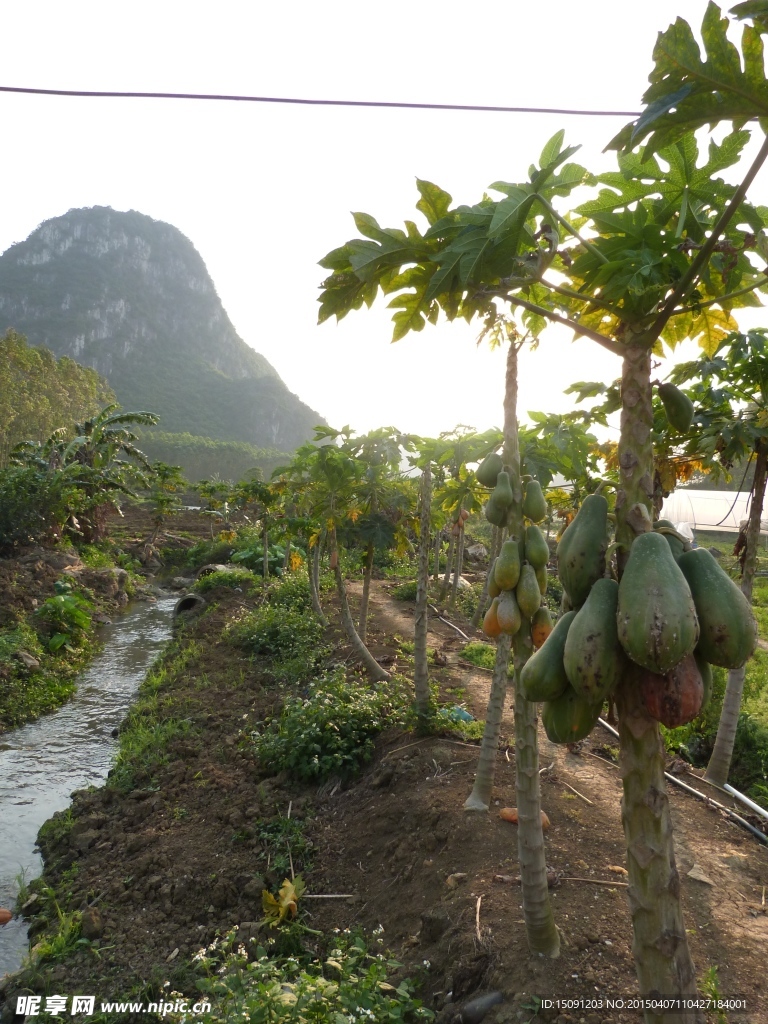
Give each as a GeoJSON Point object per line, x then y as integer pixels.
{"type": "Point", "coordinates": [33, 506]}
{"type": "Point", "coordinates": [209, 551]}
{"type": "Point", "coordinates": [242, 579]}
{"type": "Point", "coordinates": [331, 730]}
{"type": "Point", "coordinates": [406, 591]}
{"type": "Point", "coordinates": [289, 641]}
{"type": "Point", "coordinates": [292, 591]}
{"type": "Point", "coordinates": [350, 985]}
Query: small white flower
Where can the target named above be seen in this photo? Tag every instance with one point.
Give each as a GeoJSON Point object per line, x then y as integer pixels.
{"type": "Point", "coordinates": [427, 964]}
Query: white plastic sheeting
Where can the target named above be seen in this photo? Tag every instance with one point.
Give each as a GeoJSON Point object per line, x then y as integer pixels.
{"type": "Point", "coordinates": [708, 510]}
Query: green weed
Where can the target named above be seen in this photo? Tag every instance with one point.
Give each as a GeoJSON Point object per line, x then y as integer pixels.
{"type": "Point", "coordinates": [480, 654]}
{"type": "Point", "coordinates": [348, 984]}
{"type": "Point", "coordinates": [236, 579]}
{"type": "Point", "coordinates": [331, 731]}
{"type": "Point", "coordinates": [286, 640]}
{"type": "Point", "coordinates": [405, 591]}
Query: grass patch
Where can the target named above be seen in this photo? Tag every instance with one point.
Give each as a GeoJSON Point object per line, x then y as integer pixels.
{"type": "Point", "coordinates": [405, 591]}
{"type": "Point", "coordinates": [331, 730]}
{"type": "Point", "coordinates": [285, 841]}
{"type": "Point", "coordinates": [235, 579]}
{"type": "Point", "coordinates": [148, 731]}
{"type": "Point", "coordinates": [480, 654]}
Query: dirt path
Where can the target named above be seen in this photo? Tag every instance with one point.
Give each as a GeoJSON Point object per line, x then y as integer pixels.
{"type": "Point", "coordinates": [722, 898]}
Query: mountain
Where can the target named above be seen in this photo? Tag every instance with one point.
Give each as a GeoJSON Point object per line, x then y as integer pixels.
{"type": "Point", "coordinates": [131, 297]}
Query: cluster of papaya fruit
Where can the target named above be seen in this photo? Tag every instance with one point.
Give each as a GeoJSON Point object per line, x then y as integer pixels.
{"type": "Point", "coordinates": [518, 578]}
{"type": "Point", "coordinates": [674, 614]}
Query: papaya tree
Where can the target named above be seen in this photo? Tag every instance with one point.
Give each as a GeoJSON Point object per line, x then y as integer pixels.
{"type": "Point", "coordinates": [665, 250]}
{"type": "Point", "coordinates": [332, 477]}
{"type": "Point", "coordinates": [731, 390]}
{"type": "Point", "coordinates": [382, 500]}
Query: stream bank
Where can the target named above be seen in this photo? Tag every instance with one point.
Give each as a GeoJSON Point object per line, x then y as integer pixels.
{"type": "Point", "coordinates": [69, 749]}
{"type": "Point", "coordinates": [191, 827]}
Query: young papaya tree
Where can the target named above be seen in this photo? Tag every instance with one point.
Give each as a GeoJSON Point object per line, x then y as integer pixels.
{"type": "Point", "coordinates": [333, 478]}
{"type": "Point", "coordinates": [665, 250]}
{"type": "Point", "coordinates": [382, 498]}
{"type": "Point", "coordinates": [731, 392]}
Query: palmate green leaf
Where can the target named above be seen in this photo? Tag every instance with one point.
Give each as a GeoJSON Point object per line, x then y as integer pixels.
{"type": "Point", "coordinates": [686, 194]}
{"type": "Point", "coordinates": [757, 10]}
{"type": "Point", "coordinates": [342, 293]}
{"type": "Point", "coordinates": [434, 202]}
{"type": "Point", "coordinates": [688, 92]}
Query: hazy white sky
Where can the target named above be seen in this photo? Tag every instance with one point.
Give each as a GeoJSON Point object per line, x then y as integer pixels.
{"type": "Point", "coordinates": [264, 191]}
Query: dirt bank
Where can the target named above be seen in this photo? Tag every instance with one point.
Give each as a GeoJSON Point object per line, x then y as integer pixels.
{"type": "Point", "coordinates": [158, 867]}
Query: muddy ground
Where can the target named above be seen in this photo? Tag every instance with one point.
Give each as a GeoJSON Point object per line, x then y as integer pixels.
{"type": "Point", "coordinates": [160, 870]}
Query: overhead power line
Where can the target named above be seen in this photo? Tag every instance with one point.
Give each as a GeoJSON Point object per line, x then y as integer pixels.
{"type": "Point", "coordinates": [233, 98]}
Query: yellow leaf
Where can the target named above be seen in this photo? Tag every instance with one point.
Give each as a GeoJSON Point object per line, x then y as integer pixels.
{"type": "Point", "coordinates": [710, 327]}
{"type": "Point", "coordinates": [296, 560]}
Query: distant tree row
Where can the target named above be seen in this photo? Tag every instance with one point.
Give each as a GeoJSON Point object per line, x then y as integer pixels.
{"type": "Point", "coordinates": [39, 392]}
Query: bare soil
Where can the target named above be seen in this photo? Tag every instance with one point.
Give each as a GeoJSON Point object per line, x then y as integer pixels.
{"type": "Point", "coordinates": [173, 862]}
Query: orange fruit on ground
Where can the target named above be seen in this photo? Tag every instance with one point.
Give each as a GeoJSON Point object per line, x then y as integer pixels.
{"type": "Point", "coordinates": [510, 814]}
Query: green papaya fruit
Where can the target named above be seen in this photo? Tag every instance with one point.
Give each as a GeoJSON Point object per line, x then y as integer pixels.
{"type": "Point", "coordinates": [543, 676]}
{"type": "Point", "coordinates": [508, 613]}
{"type": "Point", "coordinates": [677, 406]}
{"type": "Point", "coordinates": [536, 547]}
{"type": "Point", "coordinates": [493, 588]}
{"type": "Point", "coordinates": [526, 477]}
{"type": "Point", "coordinates": [728, 631]}
{"type": "Point", "coordinates": [674, 698]}
{"type": "Point", "coordinates": [534, 502]}
{"type": "Point", "coordinates": [507, 570]}
{"type": "Point", "coordinates": [527, 591]}
{"type": "Point", "coordinates": [569, 718]}
{"type": "Point", "coordinates": [488, 471]}
{"type": "Point", "coordinates": [495, 513]}
{"type": "Point", "coordinates": [706, 678]}
{"type": "Point", "coordinates": [657, 619]}
{"type": "Point", "coordinates": [541, 577]}
{"type": "Point", "coordinates": [593, 657]}
{"type": "Point", "coordinates": [664, 523]}
{"type": "Point", "coordinates": [502, 492]}
{"type": "Point", "coordinates": [582, 547]}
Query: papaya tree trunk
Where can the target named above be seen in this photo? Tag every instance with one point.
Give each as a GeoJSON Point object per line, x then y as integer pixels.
{"type": "Point", "coordinates": [662, 958]}
{"type": "Point", "coordinates": [265, 542]}
{"type": "Point", "coordinates": [367, 574]}
{"type": "Point", "coordinates": [438, 546]}
{"type": "Point", "coordinates": [541, 930]}
{"type": "Point", "coordinates": [420, 618]}
{"type": "Point", "coordinates": [482, 604]}
{"type": "Point", "coordinates": [448, 567]}
{"type": "Point", "coordinates": [348, 622]}
{"type": "Point", "coordinates": [313, 571]}
{"type": "Point", "coordinates": [720, 761]}
{"type": "Point", "coordinates": [480, 797]}
{"type": "Point", "coordinates": [459, 561]}
{"type": "Point", "coordinates": [543, 936]}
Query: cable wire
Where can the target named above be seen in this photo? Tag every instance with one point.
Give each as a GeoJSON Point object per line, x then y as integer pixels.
{"type": "Point", "coordinates": [226, 97]}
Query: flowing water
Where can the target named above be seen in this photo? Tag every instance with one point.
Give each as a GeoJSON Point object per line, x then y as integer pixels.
{"type": "Point", "coordinates": [43, 763]}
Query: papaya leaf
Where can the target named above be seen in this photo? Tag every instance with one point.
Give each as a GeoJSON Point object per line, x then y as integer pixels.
{"type": "Point", "coordinates": [757, 10]}
{"type": "Point", "coordinates": [434, 202]}
{"type": "Point", "coordinates": [286, 903]}
{"type": "Point", "coordinates": [687, 92]}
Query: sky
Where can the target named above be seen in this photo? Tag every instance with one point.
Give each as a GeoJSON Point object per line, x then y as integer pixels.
{"type": "Point", "coordinates": [264, 191]}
